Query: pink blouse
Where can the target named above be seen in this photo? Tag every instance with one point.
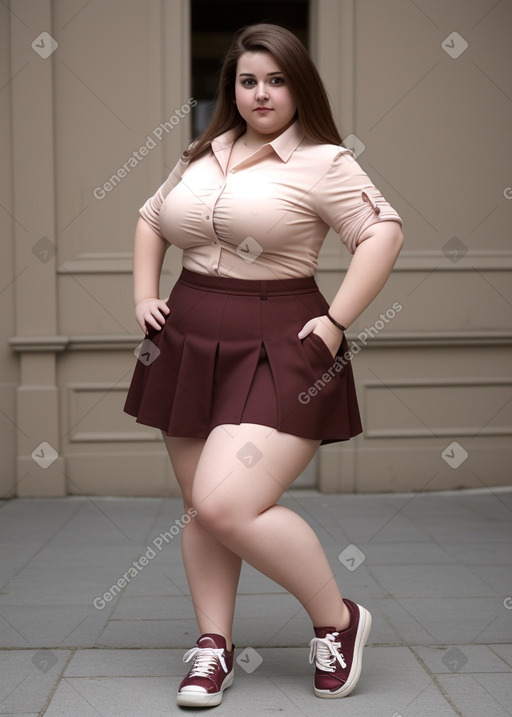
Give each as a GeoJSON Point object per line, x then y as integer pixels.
{"type": "Point", "coordinates": [268, 216]}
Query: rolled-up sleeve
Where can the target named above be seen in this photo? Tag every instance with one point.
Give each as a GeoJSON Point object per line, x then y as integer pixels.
{"type": "Point", "coordinates": [349, 202]}
{"type": "Point", "coordinates": [150, 210]}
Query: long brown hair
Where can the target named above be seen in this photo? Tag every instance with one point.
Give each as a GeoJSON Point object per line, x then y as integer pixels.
{"type": "Point", "coordinates": [313, 109]}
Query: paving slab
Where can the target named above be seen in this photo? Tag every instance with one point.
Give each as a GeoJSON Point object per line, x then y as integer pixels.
{"type": "Point", "coordinates": [56, 626]}
{"type": "Point", "coordinates": [126, 663]}
{"type": "Point", "coordinates": [461, 659]}
{"type": "Point", "coordinates": [153, 580]}
{"type": "Point", "coordinates": [60, 584]}
{"type": "Point", "coordinates": [499, 577]}
{"type": "Point", "coordinates": [445, 581]}
{"type": "Point", "coordinates": [148, 633]}
{"type": "Point", "coordinates": [113, 697]}
{"type": "Point", "coordinates": [504, 651]}
{"type": "Point", "coordinates": [480, 553]}
{"type": "Point", "coordinates": [177, 607]}
{"type": "Point", "coordinates": [452, 621]}
{"type": "Point", "coordinates": [479, 694]}
{"type": "Point", "coordinates": [381, 553]}
{"type": "Point", "coordinates": [28, 677]}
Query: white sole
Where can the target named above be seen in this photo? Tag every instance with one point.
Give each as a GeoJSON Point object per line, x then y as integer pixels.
{"type": "Point", "coordinates": [203, 699]}
{"type": "Point", "coordinates": [365, 623]}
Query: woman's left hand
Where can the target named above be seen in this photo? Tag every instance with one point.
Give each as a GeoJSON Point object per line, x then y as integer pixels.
{"type": "Point", "coordinates": [330, 334]}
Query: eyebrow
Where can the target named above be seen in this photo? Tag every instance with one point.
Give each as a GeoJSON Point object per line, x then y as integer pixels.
{"type": "Point", "coordinates": [250, 74]}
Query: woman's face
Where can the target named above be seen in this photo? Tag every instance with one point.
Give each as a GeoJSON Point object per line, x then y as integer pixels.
{"type": "Point", "coordinates": [262, 95]}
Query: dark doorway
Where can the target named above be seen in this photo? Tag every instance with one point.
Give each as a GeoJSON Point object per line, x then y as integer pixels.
{"type": "Point", "coordinates": [213, 24]}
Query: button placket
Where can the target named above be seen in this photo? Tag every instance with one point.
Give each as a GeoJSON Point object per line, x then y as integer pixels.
{"type": "Point", "coordinates": [215, 239]}
{"type": "Point", "coordinates": [209, 212]}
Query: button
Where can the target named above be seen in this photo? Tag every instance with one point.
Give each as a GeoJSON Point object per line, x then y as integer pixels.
{"type": "Point", "coordinates": [232, 171]}
{"type": "Point", "coordinates": [207, 216]}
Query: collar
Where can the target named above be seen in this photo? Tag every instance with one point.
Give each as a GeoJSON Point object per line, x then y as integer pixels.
{"type": "Point", "coordinates": [284, 145]}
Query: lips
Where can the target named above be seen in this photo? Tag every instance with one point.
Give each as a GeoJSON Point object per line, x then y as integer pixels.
{"type": "Point", "coordinates": [262, 110]}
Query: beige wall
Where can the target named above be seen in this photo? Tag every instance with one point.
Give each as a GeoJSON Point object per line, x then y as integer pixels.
{"type": "Point", "coordinates": [436, 135]}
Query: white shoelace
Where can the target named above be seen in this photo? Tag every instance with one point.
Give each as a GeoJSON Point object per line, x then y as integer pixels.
{"type": "Point", "coordinates": [205, 661]}
{"type": "Point", "coordinates": [325, 650]}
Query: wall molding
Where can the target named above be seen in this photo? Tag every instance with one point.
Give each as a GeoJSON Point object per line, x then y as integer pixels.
{"type": "Point", "coordinates": [108, 263]}
{"type": "Point", "coordinates": [329, 260]}
{"type": "Point", "coordinates": [390, 340]}
{"type": "Point", "coordinates": [434, 339]}
{"type": "Point", "coordinates": [372, 387]}
{"type": "Point", "coordinates": [421, 261]}
{"type": "Point", "coordinates": [135, 434]}
{"type": "Point", "coordinates": [42, 344]}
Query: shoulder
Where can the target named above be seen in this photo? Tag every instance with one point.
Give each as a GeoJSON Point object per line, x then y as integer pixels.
{"type": "Point", "coordinates": [326, 156]}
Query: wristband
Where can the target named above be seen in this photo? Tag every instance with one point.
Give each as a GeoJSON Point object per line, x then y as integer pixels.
{"type": "Point", "coordinates": [340, 326]}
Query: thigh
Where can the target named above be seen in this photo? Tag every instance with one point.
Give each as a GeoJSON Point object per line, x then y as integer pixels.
{"type": "Point", "coordinates": [184, 454]}
{"type": "Point", "coordinates": [247, 467]}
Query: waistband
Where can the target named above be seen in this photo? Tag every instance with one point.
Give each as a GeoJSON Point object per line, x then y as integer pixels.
{"type": "Point", "coordinates": [248, 287]}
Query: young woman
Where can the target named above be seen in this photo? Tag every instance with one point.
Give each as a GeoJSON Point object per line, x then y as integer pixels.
{"type": "Point", "coordinates": [248, 379]}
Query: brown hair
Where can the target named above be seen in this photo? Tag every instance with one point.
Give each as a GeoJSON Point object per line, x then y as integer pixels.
{"type": "Point", "coordinates": [313, 108]}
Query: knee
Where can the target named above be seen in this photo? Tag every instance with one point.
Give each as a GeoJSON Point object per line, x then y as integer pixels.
{"type": "Point", "coordinates": [217, 517]}
{"type": "Point", "coordinates": [188, 507]}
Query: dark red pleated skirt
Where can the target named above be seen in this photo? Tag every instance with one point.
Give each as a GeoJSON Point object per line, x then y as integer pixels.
{"type": "Point", "coordinates": [229, 353]}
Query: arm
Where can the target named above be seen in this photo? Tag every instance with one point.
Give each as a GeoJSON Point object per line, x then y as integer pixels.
{"type": "Point", "coordinates": [368, 272]}
{"type": "Point", "coordinates": [148, 256]}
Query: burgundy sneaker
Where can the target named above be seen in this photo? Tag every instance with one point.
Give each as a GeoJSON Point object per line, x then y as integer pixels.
{"type": "Point", "coordinates": [210, 674]}
{"type": "Point", "coordinates": [338, 653]}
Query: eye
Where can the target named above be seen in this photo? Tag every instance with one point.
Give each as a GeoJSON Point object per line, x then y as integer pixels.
{"type": "Point", "coordinates": [247, 82]}
{"type": "Point", "coordinates": [277, 80]}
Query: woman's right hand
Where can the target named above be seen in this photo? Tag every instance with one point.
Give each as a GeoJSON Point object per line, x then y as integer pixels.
{"type": "Point", "coordinates": [151, 312]}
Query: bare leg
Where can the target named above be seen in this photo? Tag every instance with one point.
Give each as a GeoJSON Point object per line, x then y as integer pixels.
{"type": "Point", "coordinates": [212, 569]}
{"type": "Point", "coordinates": [242, 472]}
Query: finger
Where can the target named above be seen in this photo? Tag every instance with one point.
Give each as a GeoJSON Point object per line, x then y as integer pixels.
{"type": "Point", "coordinates": [143, 327]}
{"type": "Point", "coordinates": [306, 329]}
{"type": "Point", "coordinates": [153, 317]}
{"type": "Point", "coordinates": [151, 321]}
{"type": "Point", "coordinates": [160, 304]}
{"type": "Point", "coordinates": [159, 317]}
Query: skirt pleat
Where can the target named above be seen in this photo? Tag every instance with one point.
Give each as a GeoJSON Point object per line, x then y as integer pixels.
{"type": "Point", "coordinates": [229, 353]}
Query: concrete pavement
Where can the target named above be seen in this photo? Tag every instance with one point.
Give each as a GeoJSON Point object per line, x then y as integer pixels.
{"type": "Point", "coordinates": [95, 614]}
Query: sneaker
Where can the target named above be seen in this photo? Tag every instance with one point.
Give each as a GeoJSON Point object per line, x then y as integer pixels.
{"type": "Point", "coordinates": [338, 653]}
{"type": "Point", "coordinates": [210, 674]}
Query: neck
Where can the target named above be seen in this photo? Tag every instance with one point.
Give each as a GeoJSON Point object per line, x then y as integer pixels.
{"type": "Point", "coordinates": [254, 141]}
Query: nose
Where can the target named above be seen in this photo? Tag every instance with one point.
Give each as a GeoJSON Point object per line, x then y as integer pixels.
{"type": "Point", "coordinates": [261, 92]}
